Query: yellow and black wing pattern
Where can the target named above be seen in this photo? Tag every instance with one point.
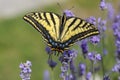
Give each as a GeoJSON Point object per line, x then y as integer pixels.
{"type": "Point", "coordinates": [60, 32]}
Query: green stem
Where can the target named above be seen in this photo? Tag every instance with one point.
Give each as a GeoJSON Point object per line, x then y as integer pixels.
{"type": "Point", "coordinates": [102, 61]}
{"type": "Point", "coordinates": [93, 70]}
{"type": "Point", "coordinates": [53, 75]}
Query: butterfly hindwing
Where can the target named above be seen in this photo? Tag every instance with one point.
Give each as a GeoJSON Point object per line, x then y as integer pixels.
{"type": "Point", "coordinates": [76, 29]}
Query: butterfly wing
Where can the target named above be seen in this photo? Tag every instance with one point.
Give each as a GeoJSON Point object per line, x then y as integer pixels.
{"type": "Point", "coordinates": [46, 23]}
{"type": "Point", "coordinates": [76, 29]}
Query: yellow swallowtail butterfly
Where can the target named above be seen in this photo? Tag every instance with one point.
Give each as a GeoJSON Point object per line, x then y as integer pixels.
{"type": "Point", "coordinates": [60, 32]}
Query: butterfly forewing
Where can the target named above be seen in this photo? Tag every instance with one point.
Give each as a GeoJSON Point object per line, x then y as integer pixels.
{"type": "Point", "coordinates": [46, 23]}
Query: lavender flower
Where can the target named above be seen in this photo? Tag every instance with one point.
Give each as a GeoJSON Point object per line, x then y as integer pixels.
{"type": "Point", "coordinates": [48, 50]}
{"type": "Point", "coordinates": [94, 57]}
{"type": "Point", "coordinates": [105, 52]}
{"type": "Point", "coordinates": [67, 77]}
{"type": "Point", "coordinates": [52, 63]}
{"type": "Point", "coordinates": [72, 66]}
{"type": "Point", "coordinates": [115, 26]}
{"type": "Point", "coordinates": [63, 75]}
{"type": "Point", "coordinates": [88, 76]}
{"type": "Point", "coordinates": [106, 77]}
{"type": "Point", "coordinates": [25, 70]}
{"type": "Point", "coordinates": [71, 77]}
{"type": "Point", "coordinates": [95, 39]}
{"type": "Point", "coordinates": [91, 56]}
{"type": "Point", "coordinates": [116, 68]}
{"type": "Point", "coordinates": [116, 31]}
{"type": "Point", "coordinates": [98, 57]}
{"type": "Point", "coordinates": [91, 20]}
{"type": "Point", "coordinates": [64, 69]}
{"type": "Point", "coordinates": [68, 56]}
{"type": "Point", "coordinates": [73, 70]}
{"type": "Point", "coordinates": [46, 75]}
{"type": "Point", "coordinates": [110, 11]}
{"type": "Point", "coordinates": [101, 25]}
{"type": "Point", "coordinates": [73, 53]}
{"type": "Point", "coordinates": [82, 69]}
{"type": "Point", "coordinates": [66, 59]}
{"type": "Point", "coordinates": [68, 13]}
{"type": "Point", "coordinates": [84, 47]}
{"type": "Point", "coordinates": [117, 18]}
{"type": "Point", "coordinates": [103, 5]}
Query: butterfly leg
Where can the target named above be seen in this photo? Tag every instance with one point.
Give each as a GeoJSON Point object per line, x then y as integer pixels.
{"type": "Point", "coordinates": [54, 52]}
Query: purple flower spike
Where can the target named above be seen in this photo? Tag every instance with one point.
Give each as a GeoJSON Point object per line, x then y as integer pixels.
{"type": "Point", "coordinates": [91, 56]}
{"type": "Point", "coordinates": [98, 57]}
{"type": "Point", "coordinates": [84, 47]}
{"type": "Point", "coordinates": [101, 24]}
{"type": "Point", "coordinates": [95, 39]}
{"type": "Point", "coordinates": [82, 69]}
{"type": "Point", "coordinates": [116, 68]}
{"type": "Point", "coordinates": [103, 5]}
{"type": "Point", "coordinates": [105, 52]}
{"type": "Point", "coordinates": [68, 56]}
{"type": "Point", "coordinates": [72, 53]}
{"type": "Point", "coordinates": [25, 70]}
{"type": "Point", "coordinates": [110, 11]}
{"type": "Point", "coordinates": [106, 77]}
{"type": "Point", "coordinates": [68, 13]}
{"type": "Point", "coordinates": [48, 50]}
{"type": "Point", "coordinates": [117, 18]}
{"type": "Point", "coordinates": [64, 68]}
{"type": "Point", "coordinates": [52, 63]}
{"type": "Point", "coordinates": [72, 66]}
{"type": "Point", "coordinates": [46, 75]}
{"type": "Point", "coordinates": [91, 20]}
{"type": "Point", "coordinates": [88, 76]}
{"type": "Point", "coordinates": [116, 31]}
{"type": "Point", "coordinates": [94, 57]}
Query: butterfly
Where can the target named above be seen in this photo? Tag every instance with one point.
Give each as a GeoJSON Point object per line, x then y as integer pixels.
{"type": "Point", "coordinates": [60, 32]}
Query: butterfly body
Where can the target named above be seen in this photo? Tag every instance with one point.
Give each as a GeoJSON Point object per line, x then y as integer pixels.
{"type": "Point", "coordinates": [60, 32]}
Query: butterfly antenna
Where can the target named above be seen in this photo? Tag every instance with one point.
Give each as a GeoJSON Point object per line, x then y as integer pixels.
{"type": "Point", "coordinates": [71, 8]}
{"type": "Point", "coordinates": [61, 8]}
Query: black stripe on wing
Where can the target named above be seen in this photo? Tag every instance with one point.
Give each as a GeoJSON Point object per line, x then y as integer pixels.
{"type": "Point", "coordinates": [46, 18]}
{"type": "Point", "coordinates": [78, 25]}
{"type": "Point", "coordinates": [63, 20]}
{"type": "Point", "coordinates": [38, 27]}
{"type": "Point", "coordinates": [81, 36]}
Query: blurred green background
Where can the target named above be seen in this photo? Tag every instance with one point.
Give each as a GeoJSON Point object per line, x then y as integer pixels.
{"type": "Point", "coordinates": [20, 42]}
